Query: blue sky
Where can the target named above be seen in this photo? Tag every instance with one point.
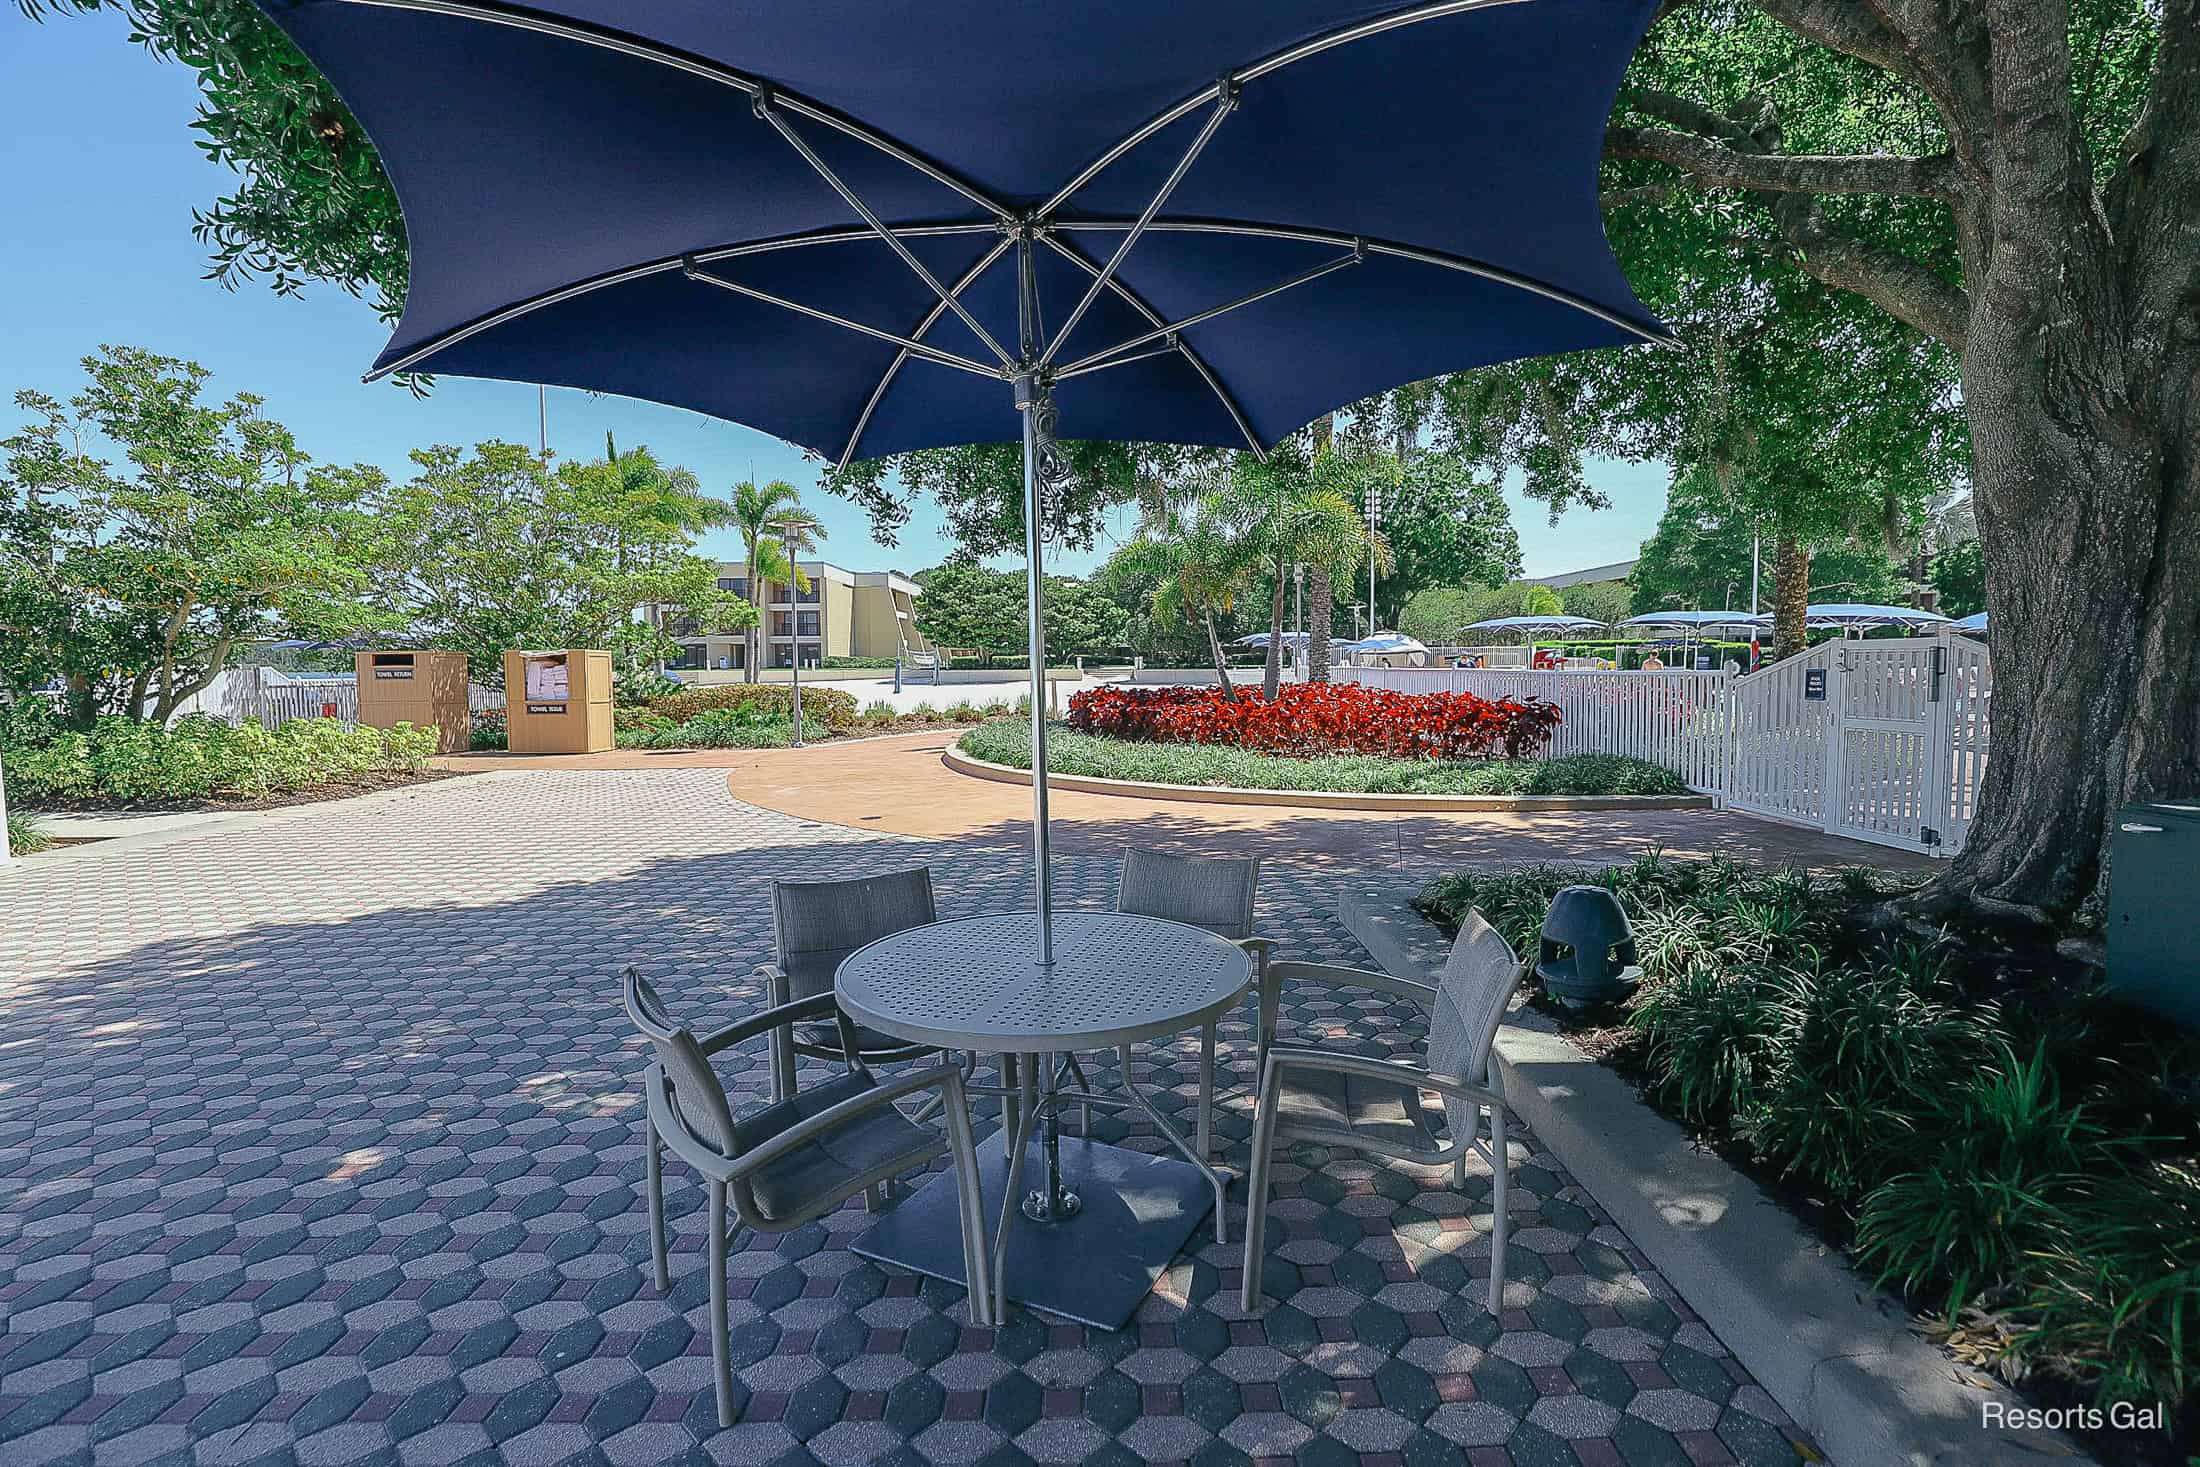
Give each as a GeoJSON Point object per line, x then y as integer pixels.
{"type": "Point", "coordinates": [98, 166]}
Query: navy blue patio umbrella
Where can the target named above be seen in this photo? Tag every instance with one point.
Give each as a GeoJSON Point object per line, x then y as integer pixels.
{"type": "Point", "coordinates": [869, 227]}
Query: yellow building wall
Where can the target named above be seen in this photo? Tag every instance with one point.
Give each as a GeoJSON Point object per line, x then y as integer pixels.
{"type": "Point", "coordinates": [837, 601]}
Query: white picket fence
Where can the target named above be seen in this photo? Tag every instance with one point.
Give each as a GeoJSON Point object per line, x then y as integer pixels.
{"type": "Point", "coordinates": [264, 696]}
{"type": "Point", "coordinates": [1671, 718]}
{"type": "Point", "coordinates": [1882, 741]}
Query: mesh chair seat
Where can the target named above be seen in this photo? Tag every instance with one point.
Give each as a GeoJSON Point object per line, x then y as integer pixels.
{"type": "Point", "coordinates": [789, 1185]}
{"type": "Point", "coordinates": [1373, 1110]}
{"type": "Point", "coordinates": [870, 1043]}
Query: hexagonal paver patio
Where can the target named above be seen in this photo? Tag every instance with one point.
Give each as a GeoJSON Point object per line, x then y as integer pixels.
{"type": "Point", "coordinates": [319, 1143]}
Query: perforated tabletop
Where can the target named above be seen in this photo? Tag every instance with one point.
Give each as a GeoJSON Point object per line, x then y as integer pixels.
{"type": "Point", "coordinates": [976, 983]}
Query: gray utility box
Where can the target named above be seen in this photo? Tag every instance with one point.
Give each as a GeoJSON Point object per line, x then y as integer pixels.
{"type": "Point", "coordinates": [2154, 908]}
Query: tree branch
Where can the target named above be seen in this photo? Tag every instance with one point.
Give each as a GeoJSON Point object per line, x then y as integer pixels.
{"type": "Point", "coordinates": [1946, 61]}
{"type": "Point", "coordinates": [1907, 290]}
{"type": "Point", "coordinates": [1789, 173]}
{"type": "Point", "coordinates": [2149, 199]}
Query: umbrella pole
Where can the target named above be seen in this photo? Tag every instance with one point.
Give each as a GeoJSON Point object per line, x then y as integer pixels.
{"type": "Point", "coordinates": [1029, 396]}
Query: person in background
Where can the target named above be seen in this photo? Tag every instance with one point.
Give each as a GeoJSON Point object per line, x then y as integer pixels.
{"type": "Point", "coordinates": [1653, 663]}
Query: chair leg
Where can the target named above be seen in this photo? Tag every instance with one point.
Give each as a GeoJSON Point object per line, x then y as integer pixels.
{"type": "Point", "coordinates": [721, 1344]}
{"type": "Point", "coordinates": [1011, 1102]}
{"type": "Point", "coordinates": [1500, 1177]}
{"type": "Point", "coordinates": [1256, 1192]}
{"type": "Point", "coordinates": [873, 1197]}
{"type": "Point", "coordinates": [1018, 1142]}
{"type": "Point", "coordinates": [653, 1174]}
{"type": "Point", "coordinates": [1206, 1142]}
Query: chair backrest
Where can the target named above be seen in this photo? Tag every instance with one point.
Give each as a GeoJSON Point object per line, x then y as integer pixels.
{"type": "Point", "coordinates": [1472, 994]}
{"type": "Point", "coordinates": [1214, 892]}
{"type": "Point", "coordinates": [695, 1088]}
{"type": "Point", "coordinates": [817, 923]}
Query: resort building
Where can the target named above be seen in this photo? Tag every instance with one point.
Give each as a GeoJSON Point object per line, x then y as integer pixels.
{"type": "Point", "coordinates": [843, 613]}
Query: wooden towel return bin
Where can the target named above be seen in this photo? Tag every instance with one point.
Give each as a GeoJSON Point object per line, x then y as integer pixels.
{"type": "Point", "coordinates": [557, 702]}
{"type": "Point", "coordinates": [419, 688]}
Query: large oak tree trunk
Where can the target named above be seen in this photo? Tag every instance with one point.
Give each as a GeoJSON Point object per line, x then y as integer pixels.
{"type": "Point", "coordinates": [2089, 518]}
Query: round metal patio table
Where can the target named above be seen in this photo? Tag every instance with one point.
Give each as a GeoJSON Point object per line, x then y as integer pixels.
{"type": "Point", "coordinates": [1105, 1221]}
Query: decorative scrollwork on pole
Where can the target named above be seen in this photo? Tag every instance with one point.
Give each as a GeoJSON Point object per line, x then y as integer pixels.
{"type": "Point", "coordinates": [1055, 473]}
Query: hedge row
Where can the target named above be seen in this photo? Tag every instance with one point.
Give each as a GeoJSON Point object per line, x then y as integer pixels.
{"type": "Point", "coordinates": [124, 759]}
{"type": "Point", "coordinates": [1307, 719]}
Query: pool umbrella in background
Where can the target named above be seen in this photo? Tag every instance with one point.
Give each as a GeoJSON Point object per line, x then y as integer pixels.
{"type": "Point", "coordinates": [869, 228]}
{"type": "Point", "coordinates": [1974, 624]}
{"type": "Point", "coordinates": [1535, 628]}
{"type": "Point", "coordinates": [1695, 624]}
{"type": "Point", "coordinates": [1859, 617]}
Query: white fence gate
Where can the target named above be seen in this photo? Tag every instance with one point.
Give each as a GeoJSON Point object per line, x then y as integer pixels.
{"type": "Point", "coordinates": [1881, 741]}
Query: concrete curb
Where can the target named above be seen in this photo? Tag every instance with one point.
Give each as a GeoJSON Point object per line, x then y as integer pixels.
{"type": "Point", "coordinates": [1838, 1355]}
{"type": "Point", "coordinates": [1223, 794]}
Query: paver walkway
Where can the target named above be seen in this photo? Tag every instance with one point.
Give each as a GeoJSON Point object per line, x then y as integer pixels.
{"type": "Point", "coordinates": [319, 1144]}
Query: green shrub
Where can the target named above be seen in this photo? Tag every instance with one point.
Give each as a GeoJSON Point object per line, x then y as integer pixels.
{"type": "Point", "coordinates": [924, 712]}
{"type": "Point", "coordinates": [858, 663]}
{"type": "Point", "coordinates": [830, 707]}
{"type": "Point", "coordinates": [129, 761]}
{"type": "Point", "coordinates": [878, 714]}
{"type": "Point", "coordinates": [746, 727]}
{"type": "Point", "coordinates": [1865, 1057]}
{"type": "Point", "coordinates": [25, 834]}
{"type": "Point", "coordinates": [966, 713]}
{"type": "Point", "coordinates": [1710, 1041]}
{"type": "Point", "coordinates": [2118, 1305]}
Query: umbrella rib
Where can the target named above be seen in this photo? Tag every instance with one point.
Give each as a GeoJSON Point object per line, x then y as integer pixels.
{"type": "Point", "coordinates": [628, 45]}
{"type": "Point", "coordinates": [913, 347]}
{"type": "Point", "coordinates": [1199, 365]}
{"type": "Point", "coordinates": [766, 109]}
{"type": "Point", "coordinates": [1461, 263]}
{"type": "Point", "coordinates": [1226, 102]}
{"type": "Point", "coordinates": [1101, 359]}
{"type": "Point", "coordinates": [931, 318]}
{"type": "Point", "coordinates": [1274, 62]}
{"type": "Point", "coordinates": [565, 293]}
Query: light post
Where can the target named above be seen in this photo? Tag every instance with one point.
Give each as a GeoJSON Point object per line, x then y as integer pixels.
{"type": "Point", "coordinates": [787, 529]}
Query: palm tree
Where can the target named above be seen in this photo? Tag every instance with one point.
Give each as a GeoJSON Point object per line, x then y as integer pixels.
{"type": "Point", "coordinates": [774, 528]}
{"type": "Point", "coordinates": [653, 507]}
{"type": "Point", "coordinates": [1296, 508]}
{"type": "Point", "coordinates": [1202, 566]}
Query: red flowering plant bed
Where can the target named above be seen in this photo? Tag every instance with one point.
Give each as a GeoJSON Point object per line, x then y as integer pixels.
{"type": "Point", "coordinates": [1309, 719]}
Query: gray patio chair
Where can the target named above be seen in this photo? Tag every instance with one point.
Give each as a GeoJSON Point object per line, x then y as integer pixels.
{"type": "Point", "coordinates": [797, 1159]}
{"type": "Point", "coordinates": [1354, 1103]}
{"type": "Point", "coordinates": [1215, 893]}
{"type": "Point", "coordinates": [814, 925]}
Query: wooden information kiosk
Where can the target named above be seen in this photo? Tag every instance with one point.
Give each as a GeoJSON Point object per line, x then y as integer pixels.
{"type": "Point", "coordinates": [557, 702]}
{"type": "Point", "coordinates": [419, 688]}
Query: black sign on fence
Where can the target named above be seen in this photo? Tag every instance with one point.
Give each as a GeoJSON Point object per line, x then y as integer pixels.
{"type": "Point", "coordinates": [1814, 685]}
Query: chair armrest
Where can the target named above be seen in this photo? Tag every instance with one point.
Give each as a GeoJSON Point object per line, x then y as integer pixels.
{"type": "Point", "coordinates": [1397, 1071]}
{"type": "Point", "coordinates": [1299, 972]}
{"type": "Point", "coordinates": [816, 1006]}
{"type": "Point", "coordinates": [946, 1078]}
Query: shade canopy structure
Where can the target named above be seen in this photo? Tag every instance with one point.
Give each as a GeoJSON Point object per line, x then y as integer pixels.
{"type": "Point", "coordinates": [870, 228]}
{"type": "Point", "coordinates": [1860, 616]}
{"type": "Point", "coordinates": [1699, 622]}
{"type": "Point", "coordinates": [1976, 622]}
{"type": "Point", "coordinates": [1535, 626]}
{"type": "Point", "coordinates": [1383, 644]}
{"type": "Point", "coordinates": [1261, 639]}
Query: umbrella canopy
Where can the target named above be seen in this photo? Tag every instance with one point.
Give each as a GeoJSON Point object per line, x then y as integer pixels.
{"type": "Point", "coordinates": [870, 228]}
{"type": "Point", "coordinates": [1535, 626]}
{"type": "Point", "coordinates": [677, 203]}
{"type": "Point", "coordinates": [1260, 639]}
{"type": "Point", "coordinates": [1976, 622]}
{"type": "Point", "coordinates": [1859, 616]}
{"type": "Point", "coordinates": [1383, 644]}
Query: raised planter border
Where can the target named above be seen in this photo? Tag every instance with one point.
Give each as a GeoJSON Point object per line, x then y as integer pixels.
{"type": "Point", "coordinates": [1837, 1354]}
{"type": "Point", "coordinates": [1226, 794]}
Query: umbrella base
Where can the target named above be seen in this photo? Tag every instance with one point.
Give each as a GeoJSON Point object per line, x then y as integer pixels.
{"type": "Point", "coordinates": [1096, 1266]}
